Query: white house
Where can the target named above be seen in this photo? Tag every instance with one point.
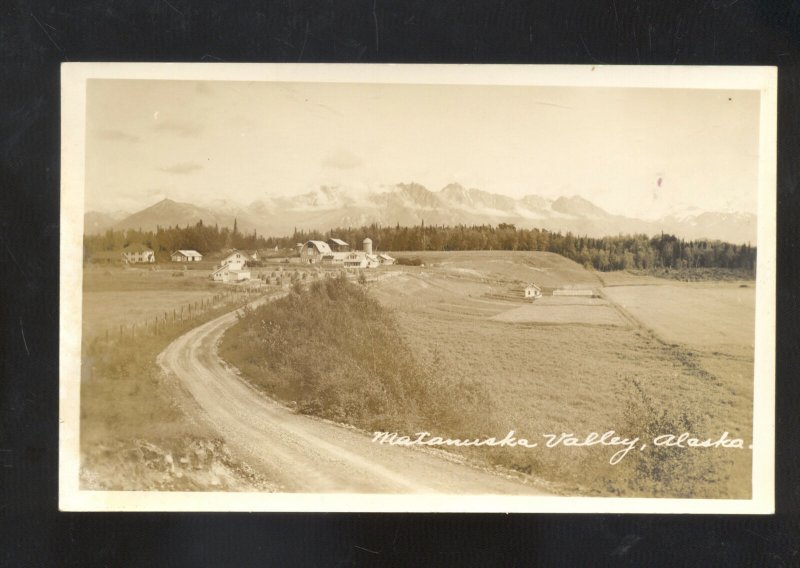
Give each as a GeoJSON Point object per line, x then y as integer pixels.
{"type": "Point", "coordinates": [136, 253]}
{"type": "Point", "coordinates": [532, 291]}
{"type": "Point", "coordinates": [186, 256]}
{"type": "Point", "coordinates": [355, 260]}
{"type": "Point", "coordinates": [234, 261]}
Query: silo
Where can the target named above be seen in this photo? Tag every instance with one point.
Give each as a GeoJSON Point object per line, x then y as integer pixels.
{"type": "Point", "coordinates": [368, 245]}
{"type": "Point", "coordinates": [299, 247]}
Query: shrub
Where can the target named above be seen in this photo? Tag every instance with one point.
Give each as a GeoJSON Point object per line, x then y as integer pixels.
{"type": "Point", "coordinates": [339, 354]}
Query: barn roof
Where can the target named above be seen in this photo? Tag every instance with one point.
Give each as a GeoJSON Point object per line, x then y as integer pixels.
{"type": "Point", "coordinates": [385, 256]}
{"type": "Point", "coordinates": [136, 247]}
{"type": "Point", "coordinates": [186, 252]}
{"type": "Point", "coordinates": [321, 246]}
{"type": "Point", "coordinates": [339, 242]}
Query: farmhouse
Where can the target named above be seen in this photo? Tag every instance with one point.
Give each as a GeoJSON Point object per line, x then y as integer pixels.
{"type": "Point", "coordinates": [136, 253]}
{"type": "Point", "coordinates": [186, 256]}
{"type": "Point", "coordinates": [235, 260]}
{"type": "Point", "coordinates": [232, 268]}
{"type": "Point", "coordinates": [532, 291]}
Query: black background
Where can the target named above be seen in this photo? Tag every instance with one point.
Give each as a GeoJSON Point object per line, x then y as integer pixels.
{"type": "Point", "coordinates": [35, 37]}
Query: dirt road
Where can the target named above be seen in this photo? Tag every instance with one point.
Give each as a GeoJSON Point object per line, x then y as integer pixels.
{"type": "Point", "coordinates": [302, 454]}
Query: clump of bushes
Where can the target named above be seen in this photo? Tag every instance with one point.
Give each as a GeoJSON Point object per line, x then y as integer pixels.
{"type": "Point", "coordinates": [335, 352]}
{"type": "Point", "coordinates": [409, 261]}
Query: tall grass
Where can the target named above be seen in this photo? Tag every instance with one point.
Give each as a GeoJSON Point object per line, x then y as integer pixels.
{"type": "Point", "coordinates": [335, 352]}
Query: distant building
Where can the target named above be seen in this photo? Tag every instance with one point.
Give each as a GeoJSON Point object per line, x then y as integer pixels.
{"type": "Point", "coordinates": [338, 245]}
{"type": "Point", "coordinates": [335, 251]}
{"type": "Point", "coordinates": [186, 256]}
{"type": "Point", "coordinates": [355, 260]}
{"type": "Point", "coordinates": [227, 274]}
{"type": "Point", "coordinates": [532, 291]}
{"type": "Point", "coordinates": [315, 251]}
{"type": "Point", "coordinates": [136, 253]}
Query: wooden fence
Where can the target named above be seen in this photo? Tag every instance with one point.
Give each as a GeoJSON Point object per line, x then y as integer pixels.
{"type": "Point", "coordinates": [159, 324]}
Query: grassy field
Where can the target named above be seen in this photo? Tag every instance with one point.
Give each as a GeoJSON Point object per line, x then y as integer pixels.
{"type": "Point", "coordinates": [578, 365]}
{"type": "Point", "coordinates": [134, 433]}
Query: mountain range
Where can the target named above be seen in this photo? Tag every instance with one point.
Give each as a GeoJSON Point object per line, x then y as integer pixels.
{"type": "Point", "coordinates": [412, 204]}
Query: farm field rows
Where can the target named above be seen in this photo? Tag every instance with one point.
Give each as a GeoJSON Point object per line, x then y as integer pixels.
{"type": "Point", "coordinates": [567, 364]}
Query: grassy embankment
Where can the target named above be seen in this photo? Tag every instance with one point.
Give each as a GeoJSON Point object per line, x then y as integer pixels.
{"type": "Point", "coordinates": [134, 434]}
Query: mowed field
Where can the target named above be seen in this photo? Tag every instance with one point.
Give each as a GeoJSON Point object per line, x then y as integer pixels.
{"type": "Point", "coordinates": [136, 295]}
{"type": "Point", "coordinates": [566, 364]}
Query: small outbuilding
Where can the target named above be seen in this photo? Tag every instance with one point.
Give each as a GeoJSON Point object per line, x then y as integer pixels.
{"type": "Point", "coordinates": [186, 255]}
{"type": "Point", "coordinates": [226, 274]}
{"type": "Point", "coordinates": [532, 291]}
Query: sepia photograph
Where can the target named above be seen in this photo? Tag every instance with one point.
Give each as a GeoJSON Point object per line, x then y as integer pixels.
{"type": "Point", "coordinates": [417, 288]}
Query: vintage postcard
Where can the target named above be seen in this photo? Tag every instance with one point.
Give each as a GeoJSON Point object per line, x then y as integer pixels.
{"type": "Point", "coordinates": [417, 288]}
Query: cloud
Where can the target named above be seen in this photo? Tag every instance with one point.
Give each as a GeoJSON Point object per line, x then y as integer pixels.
{"type": "Point", "coordinates": [116, 135]}
{"type": "Point", "coordinates": [183, 168]}
{"type": "Point", "coordinates": [181, 128]}
{"type": "Point", "coordinates": [342, 160]}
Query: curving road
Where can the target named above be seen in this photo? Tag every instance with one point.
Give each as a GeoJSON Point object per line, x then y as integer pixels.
{"type": "Point", "coordinates": [303, 454]}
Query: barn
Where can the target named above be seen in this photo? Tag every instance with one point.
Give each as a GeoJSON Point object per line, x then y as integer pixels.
{"type": "Point", "coordinates": [186, 255]}
{"type": "Point", "coordinates": [136, 253]}
{"type": "Point", "coordinates": [386, 260]}
{"type": "Point", "coordinates": [314, 251]}
{"type": "Point", "coordinates": [338, 245]}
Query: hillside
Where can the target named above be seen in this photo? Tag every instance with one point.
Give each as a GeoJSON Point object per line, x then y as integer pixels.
{"type": "Point", "coordinates": [168, 213]}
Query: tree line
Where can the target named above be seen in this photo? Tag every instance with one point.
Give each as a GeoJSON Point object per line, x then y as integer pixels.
{"type": "Point", "coordinates": [165, 240]}
{"type": "Point", "coordinates": [622, 252]}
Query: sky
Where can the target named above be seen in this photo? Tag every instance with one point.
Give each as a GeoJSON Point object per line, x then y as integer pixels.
{"type": "Point", "coordinates": [638, 152]}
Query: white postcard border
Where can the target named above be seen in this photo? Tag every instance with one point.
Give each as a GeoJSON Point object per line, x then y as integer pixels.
{"type": "Point", "coordinates": [73, 121]}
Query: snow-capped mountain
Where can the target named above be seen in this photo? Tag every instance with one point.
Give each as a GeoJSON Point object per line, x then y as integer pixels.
{"type": "Point", "coordinates": [411, 204]}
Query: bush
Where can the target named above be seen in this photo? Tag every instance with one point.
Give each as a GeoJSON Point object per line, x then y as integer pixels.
{"type": "Point", "coordinates": [339, 354]}
{"type": "Point", "coordinates": [409, 261]}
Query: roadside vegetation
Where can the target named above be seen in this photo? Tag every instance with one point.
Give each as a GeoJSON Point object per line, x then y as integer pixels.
{"type": "Point", "coordinates": [134, 435]}
{"type": "Point", "coordinates": [333, 351]}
